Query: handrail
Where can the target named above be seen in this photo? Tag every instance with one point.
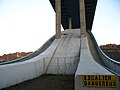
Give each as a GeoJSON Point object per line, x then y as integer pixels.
{"type": "Point", "coordinates": [112, 65]}
{"type": "Point", "coordinates": [35, 53]}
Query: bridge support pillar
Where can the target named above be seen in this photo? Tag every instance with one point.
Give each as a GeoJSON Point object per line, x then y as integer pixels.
{"type": "Point", "coordinates": [58, 18]}
{"type": "Point", "coordinates": [70, 23]}
{"type": "Point", "coordinates": [82, 18]}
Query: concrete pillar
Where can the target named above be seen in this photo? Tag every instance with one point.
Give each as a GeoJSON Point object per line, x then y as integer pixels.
{"type": "Point", "coordinates": [70, 23]}
{"type": "Point", "coordinates": [82, 18]}
{"type": "Point", "coordinates": [58, 18]}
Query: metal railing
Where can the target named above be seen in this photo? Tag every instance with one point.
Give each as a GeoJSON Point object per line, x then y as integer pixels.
{"type": "Point", "coordinates": [35, 53]}
{"type": "Point", "coordinates": [110, 64]}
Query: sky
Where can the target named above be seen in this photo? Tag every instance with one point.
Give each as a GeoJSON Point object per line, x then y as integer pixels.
{"type": "Point", "coordinates": [106, 25]}
{"type": "Point", "coordinates": [25, 25]}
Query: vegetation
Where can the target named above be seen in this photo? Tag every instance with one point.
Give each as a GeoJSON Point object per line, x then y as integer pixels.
{"type": "Point", "coordinates": [111, 50]}
{"type": "Point", "coordinates": [12, 56]}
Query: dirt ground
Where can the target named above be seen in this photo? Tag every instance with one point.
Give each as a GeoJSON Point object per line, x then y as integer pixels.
{"type": "Point", "coordinates": [46, 82]}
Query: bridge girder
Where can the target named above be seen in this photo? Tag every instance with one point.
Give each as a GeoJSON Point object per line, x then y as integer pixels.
{"type": "Point", "coordinates": [70, 8]}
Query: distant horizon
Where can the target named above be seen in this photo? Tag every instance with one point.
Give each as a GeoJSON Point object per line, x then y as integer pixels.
{"type": "Point", "coordinates": [35, 50]}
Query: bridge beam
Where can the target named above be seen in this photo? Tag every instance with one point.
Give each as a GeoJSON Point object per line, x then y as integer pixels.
{"type": "Point", "coordinates": [82, 18]}
{"type": "Point", "coordinates": [58, 18]}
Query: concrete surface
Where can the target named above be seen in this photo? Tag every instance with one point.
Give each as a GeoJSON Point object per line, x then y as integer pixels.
{"type": "Point", "coordinates": [66, 56]}
{"type": "Point", "coordinates": [60, 58]}
{"type": "Point", "coordinates": [88, 66]}
{"type": "Point", "coordinates": [46, 82]}
{"type": "Point", "coordinates": [11, 74]}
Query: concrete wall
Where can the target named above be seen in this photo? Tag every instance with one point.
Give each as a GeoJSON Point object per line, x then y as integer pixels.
{"type": "Point", "coordinates": [60, 58]}
{"type": "Point", "coordinates": [88, 66]}
{"type": "Point", "coordinates": [11, 74]}
{"type": "Point", "coordinates": [112, 65]}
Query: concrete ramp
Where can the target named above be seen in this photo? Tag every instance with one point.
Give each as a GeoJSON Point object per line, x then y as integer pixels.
{"type": "Point", "coordinates": [92, 76]}
{"type": "Point", "coordinates": [66, 56]}
{"type": "Point", "coordinates": [69, 55]}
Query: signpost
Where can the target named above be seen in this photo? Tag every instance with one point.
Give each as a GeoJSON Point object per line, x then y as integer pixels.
{"type": "Point", "coordinates": [99, 81]}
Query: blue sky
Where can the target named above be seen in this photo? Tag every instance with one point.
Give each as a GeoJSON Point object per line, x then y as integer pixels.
{"type": "Point", "coordinates": [26, 24]}
{"type": "Point", "coordinates": [106, 26]}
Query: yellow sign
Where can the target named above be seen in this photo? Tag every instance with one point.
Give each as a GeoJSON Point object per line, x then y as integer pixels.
{"type": "Point", "coordinates": [99, 81]}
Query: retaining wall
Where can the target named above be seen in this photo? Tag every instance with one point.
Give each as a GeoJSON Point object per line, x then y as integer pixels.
{"type": "Point", "coordinates": [90, 75]}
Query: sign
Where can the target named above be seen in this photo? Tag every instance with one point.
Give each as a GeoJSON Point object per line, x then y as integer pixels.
{"type": "Point", "coordinates": [99, 81]}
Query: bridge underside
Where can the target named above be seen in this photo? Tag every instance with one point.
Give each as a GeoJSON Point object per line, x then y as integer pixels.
{"type": "Point", "coordinates": [70, 8]}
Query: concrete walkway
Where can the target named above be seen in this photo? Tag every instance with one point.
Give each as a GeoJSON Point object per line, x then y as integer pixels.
{"type": "Point", "coordinates": [46, 82]}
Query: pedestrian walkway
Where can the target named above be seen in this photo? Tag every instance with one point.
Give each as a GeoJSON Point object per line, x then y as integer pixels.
{"type": "Point", "coordinates": [46, 82]}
